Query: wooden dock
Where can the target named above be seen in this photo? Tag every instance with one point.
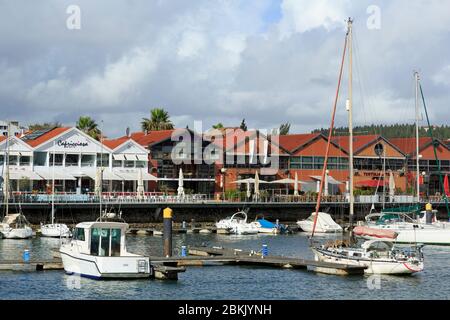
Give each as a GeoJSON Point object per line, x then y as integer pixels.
{"type": "Point", "coordinates": [202, 256]}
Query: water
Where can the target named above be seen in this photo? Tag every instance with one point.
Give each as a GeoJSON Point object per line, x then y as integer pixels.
{"type": "Point", "coordinates": [222, 282]}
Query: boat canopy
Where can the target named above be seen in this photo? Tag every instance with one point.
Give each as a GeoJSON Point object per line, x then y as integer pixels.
{"type": "Point", "coordinates": [322, 218]}
{"type": "Point", "coordinates": [104, 225]}
{"type": "Point", "coordinates": [372, 232]}
{"type": "Point", "coordinates": [407, 209]}
{"type": "Point", "coordinates": [377, 245]}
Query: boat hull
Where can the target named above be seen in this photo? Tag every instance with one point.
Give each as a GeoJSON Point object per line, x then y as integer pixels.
{"type": "Point", "coordinates": [55, 230]}
{"type": "Point", "coordinates": [19, 233]}
{"type": "Point", "coordinates": [428, 236]}
{"type": "Point", "coordinates": [308, 227]}
{"type": "Point", "coordinates": [372, 266]}
{"type": "Point", "coordinates": [95, 267]}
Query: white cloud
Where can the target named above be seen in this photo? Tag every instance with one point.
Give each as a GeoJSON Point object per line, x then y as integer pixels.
{"type": "Point", "coordinates": [305, 15]}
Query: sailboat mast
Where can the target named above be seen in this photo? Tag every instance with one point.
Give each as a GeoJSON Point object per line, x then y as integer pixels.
{"type": "Point", "coordinates": [6, 182]}
{"type": "Point", "coordinates": [101, 171]}
{"type": "Point", "coordinates": [53, 184]}
{"type": "Point", "coordinates": [350, 118]}
{"type": "Point", "coordinates": [416, 76]}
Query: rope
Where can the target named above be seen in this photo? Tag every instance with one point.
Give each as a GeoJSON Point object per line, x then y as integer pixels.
{"type": "Point", "coordinates": [330, 132]}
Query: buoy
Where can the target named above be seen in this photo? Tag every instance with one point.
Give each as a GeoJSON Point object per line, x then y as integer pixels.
{"type": "Point", "coordinates": [26, 255]}
{"type": "Point", "coordinates": [265, 250]}
{"type": "Point", "coordinates": [183, 251]}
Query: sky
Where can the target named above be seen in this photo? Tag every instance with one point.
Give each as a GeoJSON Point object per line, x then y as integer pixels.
{"type": "Point", "coordinates": [268, 61]}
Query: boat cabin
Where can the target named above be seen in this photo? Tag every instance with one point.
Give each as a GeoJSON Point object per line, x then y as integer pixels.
{"type": "Point", "coordinates": [103, 239]}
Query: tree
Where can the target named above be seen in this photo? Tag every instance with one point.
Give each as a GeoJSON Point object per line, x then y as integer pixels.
{"type": "Point", "coordinates": [284, 128]}
{"type": "Point", "coordinates": [45, 125]}
{"type": "Point", "coordinates": [88, 126]}
{"type": "Point", "coordinates": [218, 126]}
{"type": "Point", "coordinates": [159, 120]}
{"type": "Point", "coordinates": [243, 125]}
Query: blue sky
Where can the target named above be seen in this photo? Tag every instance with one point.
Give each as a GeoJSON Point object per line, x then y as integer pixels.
{"type": "Point", "coordinates": [268, 61]}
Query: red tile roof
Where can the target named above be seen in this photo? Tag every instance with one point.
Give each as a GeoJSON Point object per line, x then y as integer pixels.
{"type": "Point", "coordinates": [46, 136]}
{"type": "Point", "coordinates": [359, 142]}
{"type": "Point", "coordinates": [114, 143]}
{"type": "Point", "coordinates": [293, 141]}
{"type": "Point", "coordinates": [408, 145]}
{"type": "Point", "coordinates": [2, 138]}
{"type": "Point", "coordinates": [151, 137]}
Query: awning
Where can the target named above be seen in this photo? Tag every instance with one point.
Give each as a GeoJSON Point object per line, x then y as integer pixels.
{"type": "Point", "coordinates": [331, 180]}
{"type": "Point", "coordinates": [86, 172]}
{"type": "Point", "coordinates": [48, 174]}
{"type": "Point", "coordinates": [249, 180]}
{"type": "Point", "coordinates": [131, 157]}
{"type": "Point", "coordinates": [110, 175]}
{"type": "Point", "coordinates": [142, 157]}
{"type": "Point", "coordinates": [286, 181]}
{"type": "Point", "coordinates": [132, 175]}
{"type": "Point", "coordinates": [24, 174]}
{"type": "Point", "coordinates": [118, 157]}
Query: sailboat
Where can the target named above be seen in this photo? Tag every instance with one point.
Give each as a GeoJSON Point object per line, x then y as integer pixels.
{"type": "Point", "coordinates": [379, 257]}
{"type": "Point", "coordinates": [408, 229]}
{"type": "Point", "coordinates": [54, 229]}
{"type": "Point", "coordinates": [98, 250]}
{"type": "Point", "coordinates": [14, 225]}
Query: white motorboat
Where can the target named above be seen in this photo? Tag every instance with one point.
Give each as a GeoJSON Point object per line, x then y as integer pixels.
{"type": "Point", "coordinates": [237, 224]}
{"type": "Point", "coordinates": [16, 226]}
{"type": "Point", "coordinates": [409, 230]}
{"type": "Point", "coordinates": [379, 257]}
{"type": "Point", "coordinates": [324, 224]}
{"type": "Point", "coordinates": [55, 230]}
{"type": "Point", "coordinates": [98, 250]}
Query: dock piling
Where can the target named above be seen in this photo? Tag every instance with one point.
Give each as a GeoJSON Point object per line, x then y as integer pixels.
{"type": "Point", "coordinates": [167, 217]}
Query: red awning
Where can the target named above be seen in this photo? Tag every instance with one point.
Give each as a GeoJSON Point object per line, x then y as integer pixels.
{"type": "Point", "coordinates": [370, 183]}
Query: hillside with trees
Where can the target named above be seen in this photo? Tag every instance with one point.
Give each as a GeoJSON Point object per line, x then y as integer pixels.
{"type": "Point", "coordinates": [392, 131]}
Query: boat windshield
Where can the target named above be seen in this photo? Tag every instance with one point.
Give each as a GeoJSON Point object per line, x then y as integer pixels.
{"type": "Point", "coordinates": [105, 242]}
{"type": "Point", "coordinates": [393, 218]}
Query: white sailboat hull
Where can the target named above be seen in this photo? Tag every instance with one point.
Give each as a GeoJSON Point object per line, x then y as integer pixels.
{"type": "Point", "coordinates": [96, 267]}
{"type": "Point", "coordinates": [55, 230]}
{"type": "Point", "coordinates": [429, 236]}
{"type": "Point", "coordinates": [387, 266]}
{"type": "Point", "coordinates": [19, 233]}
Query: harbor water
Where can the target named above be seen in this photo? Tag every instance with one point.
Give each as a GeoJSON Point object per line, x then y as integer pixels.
{"type": "Point", "coordinates": [222, 282]}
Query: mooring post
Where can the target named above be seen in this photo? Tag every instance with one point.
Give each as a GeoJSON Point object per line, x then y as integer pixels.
{"type": "Point", "coordinates": [167, 217]}
{"type": "Point", "coordinates": [183, 251]}
{"type": "Point", "coordinates": [26, 256]}
{"type": "Point", "coordinates": [265, 250]}
{"type": "Point", "coordinates": [429, 213]}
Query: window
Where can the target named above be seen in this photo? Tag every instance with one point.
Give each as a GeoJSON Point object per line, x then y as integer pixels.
{"type": "Point", "coordinates": [39, 158]}
{"type": "Point", "coordinates": [103, 162]}
{"type": "Point", "coordinates": [95, 241]}
{"type": "Point", "coordinates": [79, 234]}
{"type": "Point", "coordinates": [58, 159]}
{"type": "Point", "coordinates": [13, 160]}
{"type": "Point", "coordinates": [72, 160]}
{"type": "Point", "coordinates": [87, 160]}
{"type": "Point", "coordinates": [104, 242]}
{"type": "Point", "coordinates": [117, 163]}
{"type": "Point", "coordinates": [129, 164]}
{"type": "Point", "coordinates": [115, 242]}
{"type": "Point", "coordinates": [2, 159]}
{"type": "Point", "coordinates": [141, 164]}
{"type": "Point", "coordinates": [25, 160]}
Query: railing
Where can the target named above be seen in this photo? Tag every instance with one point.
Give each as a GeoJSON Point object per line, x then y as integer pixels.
{"type": "Point", "coordinates": [159, 197]}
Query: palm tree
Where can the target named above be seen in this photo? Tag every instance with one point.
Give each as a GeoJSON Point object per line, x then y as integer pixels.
{"type": "Point", "coordinates": [88, 126]}
{"type": "Point", "coordinates": [159, 120]}
{"type": "Point", "coordinates": [284, 128]}
{"type": "Point", "coordinates": [218, 126]}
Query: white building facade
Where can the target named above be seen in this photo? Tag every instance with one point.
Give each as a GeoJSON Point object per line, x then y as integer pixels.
{"type": "Point", "coordinates": [73, 160]}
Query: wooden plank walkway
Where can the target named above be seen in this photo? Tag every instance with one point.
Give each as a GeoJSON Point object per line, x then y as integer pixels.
{"type": "Point", "coordinates": [200, 256]}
